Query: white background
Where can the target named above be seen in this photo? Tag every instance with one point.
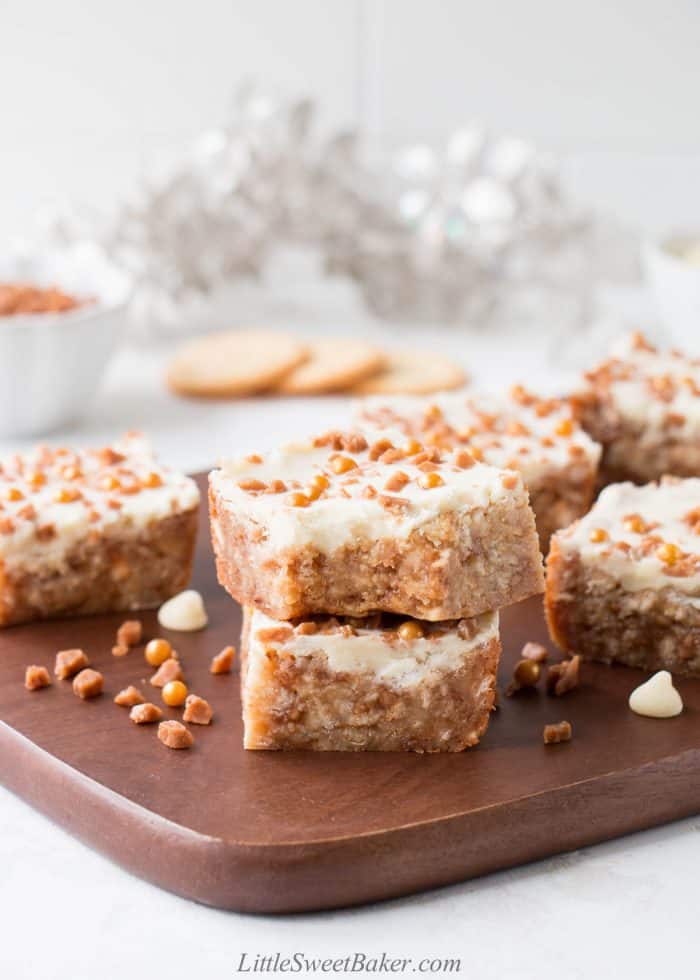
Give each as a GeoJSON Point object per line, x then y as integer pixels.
{"type": "Point", "coordinates": [89, 94]}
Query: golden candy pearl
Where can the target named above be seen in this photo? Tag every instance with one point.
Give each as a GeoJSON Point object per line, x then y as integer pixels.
{"type": "Point", "coordinates": [564, 428]}
{"type": "Point", "coordinates": [598, 535]}
{"type": "Point", "coordinates": [66, 496]}
{"type": "Point", "coordinates": [318, 484]}
{"type": "Point", "coordinates": [14, 494]}
{"type": "Point", "coordinates": [175, 693]}
{"type": "Point", "coordinates": [298, 500]}
{"type": "Point", "coordinates": [526, 673]}
{"type": "Point", "coordinates": [152, 481]}
{"type": "Point", "coordinates": [341, 464]}
{"type": "Point", "coordinates": [668, 553]}
{"type": "Point", "coordinates": [410, 630]}
{"type": "Point", "coordinates": [157, 652]}
{"type": "Point", "coordinates": [431, 480]}
{"type": "Point", "coordinates": [412, 447]}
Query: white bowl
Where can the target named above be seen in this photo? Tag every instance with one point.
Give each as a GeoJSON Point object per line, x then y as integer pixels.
{"type": "Point", "coordinates": [51, 363]}
{"type": "Point", "coordinates": [675, 281]}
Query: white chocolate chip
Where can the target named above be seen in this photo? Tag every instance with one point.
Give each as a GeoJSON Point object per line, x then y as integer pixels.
{"type": "Point", "coordinates": [184, 612]}
{"type": "Point", "coordinates": [657, 697]}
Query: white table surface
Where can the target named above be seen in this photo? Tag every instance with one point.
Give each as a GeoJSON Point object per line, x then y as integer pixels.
{"type": "Point", "coordinates": [626, 908]}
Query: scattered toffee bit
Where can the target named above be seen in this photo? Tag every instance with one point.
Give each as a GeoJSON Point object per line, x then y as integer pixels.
{"type": "Point", "coordinates": [526, 674]}
{"type": "Point", "coordinates": [69, 662]}
{"type": "Point", "coordinates": [157, 652]}
{"type": "Point", "coordinates": [20, 297]}
{"type": "Point", "coordinates": [36, 677]}
{"type": "Point", "coordinates": [197, 711]}
{"type": "Point", "coordinates": [169, 670]}
{"type": "Point", "coordinates": [563, 677]}
{"type": "Point", "coordinates": [129, 633]}
{"type": "Point", "coordinates": [145, 714]}
{"type": "Point", "coordinates": [129, 697]}
{"type": "Point", "coordinates": [223, 661]}
{"type": "Point", "coordinates": [174, 735]}
{"type": "Point", "coordinates": [534, 651]}
{"type": "Point", "coordinates": [553, 734]}
{"type": "Point", "coordinates": [120, 650]}
{"type": "Point", "coordinates": [174, 694]}
{"type": "Point", "coordinates": [88, 683]}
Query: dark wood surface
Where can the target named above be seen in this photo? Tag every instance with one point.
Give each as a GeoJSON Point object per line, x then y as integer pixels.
{"type": "Point", "coordinates": [282, 832]}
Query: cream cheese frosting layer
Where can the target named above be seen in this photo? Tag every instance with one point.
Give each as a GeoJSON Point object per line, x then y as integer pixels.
{"type": "Point", "coordinates": [358, 503]}
{"type": "Point", "coordinates": [659, 392]}
{"type": "Point", "coordinates": [380, 652]}
{"type": "Point", "coordinates": [518, 431]}
{"type": "Point", "coordinates": [645, 537]}
{"type": "Point", "coordinates": [52, 499]}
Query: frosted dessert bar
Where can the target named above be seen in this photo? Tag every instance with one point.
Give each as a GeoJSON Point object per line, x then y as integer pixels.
{"type": "Point", "coordinates": [87, 531]}
{"type": "Point", "coordinates": [380, 684]}
{"type": "Point", "coordinates": [623, 583]}
{"type": "Point", "coordinates": [348, 526]}
{"type": "Point", "coordinates": [537, 437]}
{"type": "Point", "coordinates": [644, 407]}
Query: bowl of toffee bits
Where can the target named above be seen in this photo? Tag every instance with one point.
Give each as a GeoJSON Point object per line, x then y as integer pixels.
{"type": "Point", "coordinates": [61, 317]}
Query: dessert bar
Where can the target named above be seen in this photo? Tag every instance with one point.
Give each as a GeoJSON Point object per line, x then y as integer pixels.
{"type": "Point", "coordinates": [623, 583]}
{"type": "Point", "coordinates": [365, 685]}
{"type": "Point", "coordinates": [344, 525]}
{"type": "Point", "coordinates": [643, 406]}
{"type": "Point", "coordinates": [92, 531]}
{"type": "Point", "coordinates": [538, 437]}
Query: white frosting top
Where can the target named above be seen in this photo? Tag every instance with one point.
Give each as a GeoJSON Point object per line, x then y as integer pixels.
{"type": "Point", "coordinates": [655, 391]}
{"type": "Point", "coordinates": [374, 498]}
{"type": "Point", "coordinates": [382, 652]}
{"type": "Point", "coordinates": [537, 437]}
{"type": "Point", "coordinates": [645, 537]}
{"type": "Point", "coordinates": [51, 499]}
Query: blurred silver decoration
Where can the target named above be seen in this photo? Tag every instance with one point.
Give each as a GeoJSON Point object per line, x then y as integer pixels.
{"type": "Point", "coordinates": [481, 231]}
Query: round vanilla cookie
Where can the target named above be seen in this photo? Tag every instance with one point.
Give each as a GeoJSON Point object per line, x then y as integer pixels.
{"type": "Point", "coordinates": [237, 362]}
{"type": "Point", "coordinates": [334, 363]}
{"type": "Point", "coordinates": [412, 372]}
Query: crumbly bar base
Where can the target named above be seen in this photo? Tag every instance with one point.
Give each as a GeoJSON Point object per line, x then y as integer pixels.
{"type": "Point", "coordinates": [630, 452]}
{"type": "Point", "coordinates": [109, 573]}
{"type": "Point", "coordinates": [298, 703]}
{"type": "Point", "coordinates": [558, 499]}
{"type": "Point", "coordinates": [588, 612]}
{"type": "Point", "coordinates": [455, 567]}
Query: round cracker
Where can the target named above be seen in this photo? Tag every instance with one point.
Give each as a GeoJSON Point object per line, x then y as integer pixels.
{"type": "Point", "coordinates": [334, 363]}
{"type": "Point", "coordinates": [234, 363]}
{"type": "Point", "coordinates": [412, 372]}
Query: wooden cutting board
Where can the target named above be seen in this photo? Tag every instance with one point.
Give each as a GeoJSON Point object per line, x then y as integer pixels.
{"type": "Point", "coordinates": [284, 832]}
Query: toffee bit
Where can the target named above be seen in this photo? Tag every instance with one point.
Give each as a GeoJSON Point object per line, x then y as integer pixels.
{"type": "Point", "coordinates": [564, 676]}
{"type": "Point", "coordinates": [559, 732]}
{"type": "Point", "coordinates": [174, 735]}
{"type": "Point", "coordinates": [36, 677]}
{"type": "Point", "coordinates": [223, 661]}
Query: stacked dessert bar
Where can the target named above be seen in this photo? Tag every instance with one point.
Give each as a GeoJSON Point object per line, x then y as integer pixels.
{"type": "Point", "coordinates": [371, 571]}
